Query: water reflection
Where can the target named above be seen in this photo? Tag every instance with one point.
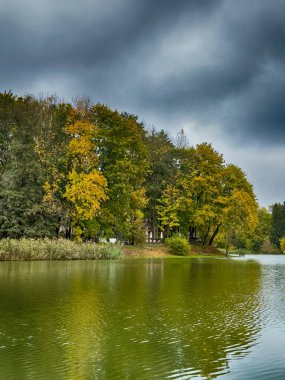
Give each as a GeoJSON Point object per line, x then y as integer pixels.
{"type": "Point", "coordinates": [130, 319]}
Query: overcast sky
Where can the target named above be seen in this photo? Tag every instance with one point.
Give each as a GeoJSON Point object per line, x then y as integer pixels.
{"type": "Point", "coordinates": [212, 67]}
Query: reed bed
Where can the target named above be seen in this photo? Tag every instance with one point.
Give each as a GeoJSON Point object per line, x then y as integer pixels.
{"type": "Point", "coordinates": [46, 249]}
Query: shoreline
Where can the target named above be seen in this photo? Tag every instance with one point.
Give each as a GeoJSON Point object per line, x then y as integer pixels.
{"type": "Point", "coordinates": [162, 251]}
{"type": "Point", "coordinates": [50, 250]}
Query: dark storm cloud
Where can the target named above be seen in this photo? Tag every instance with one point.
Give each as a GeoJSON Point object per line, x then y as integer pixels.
{"type": "Point", "coordinates": [206, 61]}
{"type": "Point", "coordinates": [38, 33]}
{"type": "Point", "coordinates": [259, 113]}
{"type": "Point", "coordinates": [213, 67]}
{"type": "Point", "coordinates": [240, 83]}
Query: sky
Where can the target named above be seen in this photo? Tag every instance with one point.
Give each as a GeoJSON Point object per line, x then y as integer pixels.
{"type": "Point", "coordinates": [212, 67]}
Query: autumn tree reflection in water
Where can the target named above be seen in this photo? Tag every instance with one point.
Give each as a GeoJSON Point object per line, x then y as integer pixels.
{"type": "Point", "coordinates": [142, 319]}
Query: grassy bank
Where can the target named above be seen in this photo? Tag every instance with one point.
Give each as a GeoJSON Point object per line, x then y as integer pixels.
{"type": "Point", "coordinates": [160, 250]}
{"type": "Point", "coordinates": [45, 249]}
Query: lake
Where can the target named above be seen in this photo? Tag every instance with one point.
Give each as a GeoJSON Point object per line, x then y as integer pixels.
{"type": "Point", "coordinates": [174, 318]}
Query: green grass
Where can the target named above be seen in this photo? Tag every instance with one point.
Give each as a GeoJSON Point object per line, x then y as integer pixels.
{"type": "Point", "coordinates": [46, 249]}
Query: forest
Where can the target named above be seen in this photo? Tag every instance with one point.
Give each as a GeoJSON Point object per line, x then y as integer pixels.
{"type": "Point", "coordinates": [83, 171]}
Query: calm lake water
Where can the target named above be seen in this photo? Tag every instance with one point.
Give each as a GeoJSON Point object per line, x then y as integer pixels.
{"type": "Point", "coordinates": [143, 319]}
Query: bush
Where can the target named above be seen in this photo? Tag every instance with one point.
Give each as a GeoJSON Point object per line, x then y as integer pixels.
{"type": "Point", "coordinates": [282, 244]}
{"type": "Point", "coordinates": [178, 245]}
{"type": "Point", "coordinates": [46, 249]}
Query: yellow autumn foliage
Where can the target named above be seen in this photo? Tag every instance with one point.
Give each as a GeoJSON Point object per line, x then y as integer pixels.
{"type": "Point", "coordinates": [81, 145]}
{"type": "Point", "coordinates": [85, 191]}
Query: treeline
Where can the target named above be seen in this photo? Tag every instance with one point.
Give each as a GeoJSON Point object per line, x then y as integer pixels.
{"type": "Point", "coordinates": [276, 226]}
{"type": "Point", "coordinates": [85, 171]}
{"type": "Point", "coordinates": [269, 234]}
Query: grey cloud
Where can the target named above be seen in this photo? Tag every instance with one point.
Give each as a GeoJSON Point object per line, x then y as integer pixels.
{"type": "Point", "coordinates": [104, 45]}
{"type": "Point", "coordinates": [215, 67]}
{"type": "Point", "coordinates": [43, 32]}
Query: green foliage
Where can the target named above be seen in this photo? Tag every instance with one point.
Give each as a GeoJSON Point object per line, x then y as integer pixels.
{"type": "Point", "coordinates": [138, 230]}
{"type": "Point", "coordinates": [93, 171]}
{"type": "Point", "coordinates": [282, 244]}
{"type": "Point", "coordinates": [207, 197]}
{"type": "Point", "coordinates": [178, 245]}
{"type": "Point", "coordinates": [258, 240]}
{"type": "Point", "coordinates": [161, 172]}
{"type": "Point", "coordinates": [7, 124]}
{"type": "Point", "coordinates": [109, 251]}
{"type": "Point", "coordinates": [123, 159]}
{"type": "Point", "coordinates": [45, 249]}
{"type": "Point", "coordinates": [22, 212]}
{"type": "Point", "coordinates": [278, 223]}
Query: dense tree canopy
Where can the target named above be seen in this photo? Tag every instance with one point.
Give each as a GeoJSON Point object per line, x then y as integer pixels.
{"type": "Point", "coordinates": [208, 197]}
{"type": "Point", "coordinates": [123, 160]}
{"type": "Point", "coordinates": [278, 223]}
{"type": "Point", "coordinates": [86, 170]}
{"type": "Point", "coordinates": [161, 172]}
{"type": "Point", "coordinates": [22, 212]}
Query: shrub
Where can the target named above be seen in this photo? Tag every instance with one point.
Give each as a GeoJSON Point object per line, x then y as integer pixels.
{"type": "Point", "coordinates": [268, 247]}
{"type": "Point", "coordinates": [282, 244]}
{"type": "Point", "coordinates": [46, 249]}
{"type": "Point", "coordinates": [178, 245]}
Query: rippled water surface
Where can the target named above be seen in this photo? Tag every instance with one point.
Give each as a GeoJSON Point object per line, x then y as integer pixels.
{"type": "Point", "coordinates": [143, 319]}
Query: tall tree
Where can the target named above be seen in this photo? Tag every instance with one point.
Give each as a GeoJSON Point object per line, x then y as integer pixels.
{"type": "Point", "coordinates": [123, 160]}
{"type": "Point", "coordinates": [161, 172]}
{"type": "Point", "coordinates": [85, 185]}
{"type": "Point", "coordinates": [75, 187]}
{"type": "Point", "coordinates": [51, 146]}
{"type": "Point", "coordinates": [278, 223]}
{"type": "Point", "coordinates": [21, 187]}
{"type": "Point", "coordinates": [197, 187]}
{"type": "Point", "coordinates": [7, 125]}
{"type": "Point", "coordinates": [206, 196]}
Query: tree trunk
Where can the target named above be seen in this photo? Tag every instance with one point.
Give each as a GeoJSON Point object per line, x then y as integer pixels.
{"type": "Point", "coordinates": [68, 233]}
{"type": "Point", "coordinates": [191, 235]}
{"type": "Point", "coordinates": [227, 249]}
{"type": "Point", "coordinates": [205, 237]}
{"type": "Point", "coordinates": [215, 233]}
